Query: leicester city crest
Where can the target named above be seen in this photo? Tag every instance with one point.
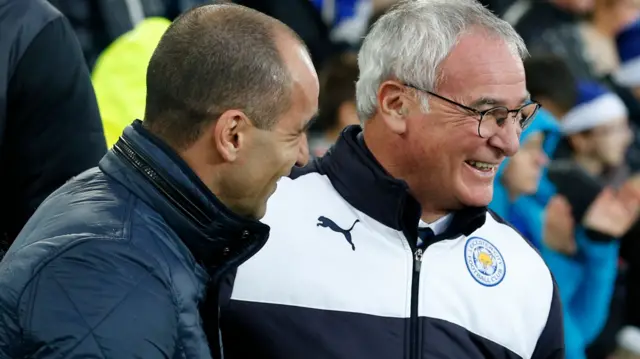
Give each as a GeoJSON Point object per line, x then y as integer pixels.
{"type": "Point", "coordinates": [484, 262]}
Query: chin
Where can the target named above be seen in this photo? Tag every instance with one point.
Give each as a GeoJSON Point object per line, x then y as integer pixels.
{"type": "Point", "coordinates": [532, 189]}
{"type": "Point", "coordinates": [259, 213]}
{"type": "Point", "coordinates": [476, 196]}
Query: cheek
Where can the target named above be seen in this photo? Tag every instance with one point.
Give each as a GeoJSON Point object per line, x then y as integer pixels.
{"type": "Point", "coordinates": [510, 175]}
{"type": "Point", "coordinates": [520, 168]}
{"type": "Point", "coordinates": [610, 148]}
{"type": "Point", "coordinates": [285, 155]}
{"type": "Point", "coordinates": [438, 149]}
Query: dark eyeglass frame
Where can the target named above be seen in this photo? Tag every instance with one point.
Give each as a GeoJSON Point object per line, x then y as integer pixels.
{"type": "Point", "coordinates": [484, 112]}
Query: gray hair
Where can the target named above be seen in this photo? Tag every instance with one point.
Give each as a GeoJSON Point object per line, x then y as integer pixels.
{"type": "Point", "coordinates": [410, 41]}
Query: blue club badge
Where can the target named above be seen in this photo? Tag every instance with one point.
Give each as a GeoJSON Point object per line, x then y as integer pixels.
{"type": "Point", "coordinates": [484, 262]}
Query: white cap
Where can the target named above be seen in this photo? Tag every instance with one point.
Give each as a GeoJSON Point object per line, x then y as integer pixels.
{"type": "Point", "coordinates": [629, 339]}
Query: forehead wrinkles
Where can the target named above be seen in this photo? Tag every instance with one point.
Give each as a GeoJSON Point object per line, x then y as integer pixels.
{"type": "Point", "coordinates": [479, 60]}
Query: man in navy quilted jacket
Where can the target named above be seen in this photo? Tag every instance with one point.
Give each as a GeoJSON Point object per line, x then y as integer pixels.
{"type": "Point", "coordinates": [118, 262]}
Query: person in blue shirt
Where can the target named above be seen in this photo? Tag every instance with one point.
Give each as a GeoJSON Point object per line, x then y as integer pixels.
{"type": "Point", "coordinates": [580, 253]}
{"type": "Point", "coordinates": [521, 177]}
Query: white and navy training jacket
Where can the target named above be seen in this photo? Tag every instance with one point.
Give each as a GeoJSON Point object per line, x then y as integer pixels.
{"type": "Point", "coordinates": [342, 276]}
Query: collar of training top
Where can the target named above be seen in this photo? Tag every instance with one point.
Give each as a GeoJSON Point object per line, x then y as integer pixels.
{"type": "Point", "coordinates": [360, 179]}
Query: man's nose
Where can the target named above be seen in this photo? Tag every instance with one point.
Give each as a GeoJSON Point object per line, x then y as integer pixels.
{"type": "Point", "coordinates": [507, 139]}
{"type": "Point", "coordinates": [303, 152]}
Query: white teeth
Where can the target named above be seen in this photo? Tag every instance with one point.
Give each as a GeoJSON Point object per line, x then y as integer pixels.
{"type": "Point", "coordinates": [482, 165]}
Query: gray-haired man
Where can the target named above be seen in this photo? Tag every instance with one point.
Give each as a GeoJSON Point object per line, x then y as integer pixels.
{"type": "Point", "coordinates": [384, 248]}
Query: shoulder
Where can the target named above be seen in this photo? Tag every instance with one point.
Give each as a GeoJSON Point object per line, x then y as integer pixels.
{"type": "Point", "coordinates": [497, 227]}
{"type": "Point", "coordinates": [30, 15]}
{"type": "Point", "coordinates": [37, 11]}
{"type": "Point", "coordinates": [86, 276]}
{"type": "Point", "coordinates": [302, 198]}
{"type": "Point", "coordinates": [305, 186]}
{"type": "Point", "coordinates": [82, 258]}
{"type": "Point", "coordinates": [92, 219]}
{"type": "Point", "coordinates": [523, 260]}
{"type": "Point", "coordinates": [88, 204]}
{"type": "Point", "coordinates": [521, 282]}
{"type": "Point", "coordinates": [524, 263]}
{"type": "Point", "coordinates": [104, 287]}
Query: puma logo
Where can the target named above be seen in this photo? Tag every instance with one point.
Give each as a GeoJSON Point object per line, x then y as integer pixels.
{"type": "Point", "coordinates": [327, 223]}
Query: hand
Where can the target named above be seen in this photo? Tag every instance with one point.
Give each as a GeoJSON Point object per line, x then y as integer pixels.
{"type": "Point", "coordinates": [613, 213]}
{"type": "Point", "coordinates": [559, 225]}
{"type": "Point", "coordinates": [630, 188]}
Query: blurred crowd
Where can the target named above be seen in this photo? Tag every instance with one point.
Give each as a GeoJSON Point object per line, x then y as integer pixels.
{"type": "Point", "coordinates": [573, 189]}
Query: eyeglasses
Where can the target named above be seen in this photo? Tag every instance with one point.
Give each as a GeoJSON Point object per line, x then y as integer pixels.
{"type": "Point", "coordinates": [492, 120]}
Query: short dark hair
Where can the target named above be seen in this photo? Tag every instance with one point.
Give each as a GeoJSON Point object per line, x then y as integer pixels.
{"type": "Point", "coordinates": [550, 77]}
{"type": "Point", "coordinates": [211, 59]}
{"type": "Point", "coordinates": [337, 86]}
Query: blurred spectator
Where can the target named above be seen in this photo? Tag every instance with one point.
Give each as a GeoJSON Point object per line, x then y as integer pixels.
{"type": "Point", "coordinates": [597, 131]}
{"type": "Point", "coordinates": [628, 46]}
{"type": "Point", "coordinates": [625, 80]}
{"type": "Point", "coordinates": [520, 175]}
{"type": "Point", "coordinates": [347, 19]}
{"type": "Point", "coordinates": [533, 18]}
{"type": "Point", "coordinates": [550, 27]}
{"type": "Point", "coordinates": [628, 75]}
{"type": "Point", "coordinates": [98, 23]}
{"type": "Point", "coordinates": [628, 343]}
{"type": "Point", "coordinates": [337, 103]}
{"type": "Point", "coordinates": [606, 20]}
{"type": "Point", "coordinates": [597, 139]}
{"type": "Point", "coordinates": [50, 126]}
{"type": "Point", "coordinates": [119, 77]}
{"type": "Point", "coordinates": [551, 83]}
{"type": "Point", "coordinates": [590, 272]}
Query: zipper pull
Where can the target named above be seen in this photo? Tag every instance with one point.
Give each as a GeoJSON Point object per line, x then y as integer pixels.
{"type": "Point", "coordinates": [417, 260]}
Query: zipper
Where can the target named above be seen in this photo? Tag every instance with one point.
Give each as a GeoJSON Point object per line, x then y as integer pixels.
{"type": "Point", "coordinates": [415, 292]}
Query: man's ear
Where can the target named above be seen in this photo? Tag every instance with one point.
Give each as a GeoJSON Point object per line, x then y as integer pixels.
{"type": "Point", "coordinates": [229, 134]}
{"type": "Point", "coordinates": [393, 106]}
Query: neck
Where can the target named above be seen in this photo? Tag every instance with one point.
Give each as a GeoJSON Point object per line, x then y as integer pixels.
{"type": "Point", "coordinates": [513, 194]}
{"type": "Point", "coordinates": [591, 165]}
{"type": "Point", "coordinates": [211, 174]}
{"type": "Point", "coordinates": [432, 216]}
{"type": "Point", "coordinates": [383, 150]}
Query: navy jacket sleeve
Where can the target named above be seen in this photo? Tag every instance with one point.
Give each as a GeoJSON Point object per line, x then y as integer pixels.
{"type": "Point", "coordinates": [100, 299]}
{"type": "Point", "coordinates": [551, 342]}
{"type": "Point", "coordinates": [53, 128]}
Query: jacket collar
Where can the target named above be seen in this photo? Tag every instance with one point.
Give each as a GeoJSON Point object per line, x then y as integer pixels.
{"type": "Point", "coordinates": [360, 179]}
{"type": "Point", "coordinates": [160, 178]}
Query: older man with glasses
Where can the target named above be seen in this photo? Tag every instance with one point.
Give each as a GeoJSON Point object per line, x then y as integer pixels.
{"type": "Point", "coordinates": [384, 248]}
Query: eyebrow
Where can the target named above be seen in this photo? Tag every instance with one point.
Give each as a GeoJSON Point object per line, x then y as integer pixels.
{"type": "Point", "coordinates": [310, 123]}
{"type": "Point", "coordinates": [484, 101]}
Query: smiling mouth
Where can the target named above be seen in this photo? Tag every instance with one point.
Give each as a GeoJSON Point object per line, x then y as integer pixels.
{"type": "Point", "coordinates": [482, 166]}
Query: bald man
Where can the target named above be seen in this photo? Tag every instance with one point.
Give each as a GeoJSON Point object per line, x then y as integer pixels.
{"type": "Point", "coordinates": [120, 260]}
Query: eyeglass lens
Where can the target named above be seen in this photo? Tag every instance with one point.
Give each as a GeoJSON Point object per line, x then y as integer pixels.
{"type": "Point", "coordinates": [496, 118]}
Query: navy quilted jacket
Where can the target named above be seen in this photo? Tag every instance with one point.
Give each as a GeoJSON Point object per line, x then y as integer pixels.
{"type": "Point", "coordinates": [117, 263]}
